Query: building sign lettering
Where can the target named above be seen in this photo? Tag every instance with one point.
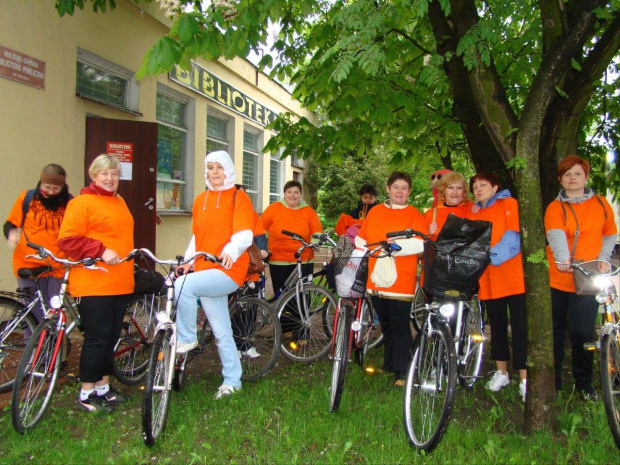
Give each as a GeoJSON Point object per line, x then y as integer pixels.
{"type": "Point", "coordinates": [205, 83]}
{"type": "Point", "coordinates": [22, 68]}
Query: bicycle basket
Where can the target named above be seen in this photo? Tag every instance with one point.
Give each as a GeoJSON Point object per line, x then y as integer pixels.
{"type": "Point", "coordinates": [351, 274]}
{"type": "Point", "coordinates": [454, 263]}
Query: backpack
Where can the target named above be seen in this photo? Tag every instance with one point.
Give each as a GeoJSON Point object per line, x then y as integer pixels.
{"type": "Point", "coordinates": [26, 205]}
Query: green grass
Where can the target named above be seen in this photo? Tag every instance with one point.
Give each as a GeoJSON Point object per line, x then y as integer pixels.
{"type": "Point", "coordinates": [284, 419]}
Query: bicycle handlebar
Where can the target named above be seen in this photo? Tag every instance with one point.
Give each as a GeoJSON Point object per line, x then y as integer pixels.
{"type": "Point", "coordinates": [43, 253]}
{"type": "Point", "coordinates": [591, 273]}
{"type": "Point", "coordinates": [408, 233]}
{"type": "Point", "coordinates": [179, 261]}
{"type": "Point", "coordinates": [323, 238]}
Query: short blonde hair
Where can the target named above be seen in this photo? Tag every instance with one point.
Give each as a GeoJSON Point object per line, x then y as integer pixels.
{"type": "Point", "coordinates": [104, 162]}
{"type": "Point", "coordinates": [447, 180]}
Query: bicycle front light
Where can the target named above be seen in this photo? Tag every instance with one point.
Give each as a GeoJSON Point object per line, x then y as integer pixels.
{"type": "Point", "coordinates": [56, 302]}
{"type": "Point", "coordinates": [447, 310]}
{"type": "Point", "coordinates": [601, 297]}
{"type": "Point", "coordinates": [163, 317]}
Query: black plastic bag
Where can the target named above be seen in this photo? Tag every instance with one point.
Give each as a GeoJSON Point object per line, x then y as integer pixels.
{"type": "Point", "coordinates": [454, 263]}
{"type": "Point", "coordinates": [147, 282]}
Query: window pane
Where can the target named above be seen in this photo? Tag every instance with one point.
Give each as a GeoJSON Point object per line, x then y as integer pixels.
{"type": "Point", "coordinates": [250, 141]}
{"type": "Point", "coordinates": [170, 110]}
{"type": "Point", "coordinates": [101, 85]}
{"type": "Point", "coordinates": [213, 145]}
{"type": "Point", "coordinates": [275, 178]}
{"type": "Point", "coordinates": [217, 128]}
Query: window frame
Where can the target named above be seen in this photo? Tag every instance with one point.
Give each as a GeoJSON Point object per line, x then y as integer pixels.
{"type": "Point", "coordinates": [189, 159]}
{"type": "Point", "coordinates": [256, 195]}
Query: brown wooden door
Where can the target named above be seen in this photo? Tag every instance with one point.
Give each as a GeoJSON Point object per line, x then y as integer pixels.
{"type": "Point", "coordinates": [140, 192]}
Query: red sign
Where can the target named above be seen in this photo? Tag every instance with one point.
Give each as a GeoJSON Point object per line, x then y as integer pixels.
{"type": "Point", "coordinates": [121, 150]}
{"type": "Point", "coordinates": [22, 68]}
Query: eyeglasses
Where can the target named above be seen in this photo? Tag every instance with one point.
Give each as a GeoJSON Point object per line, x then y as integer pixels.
{"type": "Point", "coordinates": [438, 176]}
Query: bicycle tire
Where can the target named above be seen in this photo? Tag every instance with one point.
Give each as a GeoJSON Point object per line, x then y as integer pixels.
{"type": "Point", "coordinates": [310, 339]}
{"type": "Point", "coordinates": [131, 354]}
{"type": "Point", "coordinates": [255, 325]}
{"type": "Point", "coordinates": [36, 377]}
{"type": "Point", "coordinates": [610, 381]}
{"type": "Point", "coordinates": [375, 339]}
{"type": "Point", "coordinates": [430, 388]}
{"type": "Point", "coordinates": [418, 309]}
{"type": "Point", "coordinates": [342, 333]}
{"type": "Point", "coordinates": [157, 392]}
{"type": "Point", "coordinates": [472, 345]}
{"type": "Point", "coordinates": [14, 341]}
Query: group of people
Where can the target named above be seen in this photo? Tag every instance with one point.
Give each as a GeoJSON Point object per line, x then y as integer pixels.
{"type": "Point", "coordinates": [98, 224]}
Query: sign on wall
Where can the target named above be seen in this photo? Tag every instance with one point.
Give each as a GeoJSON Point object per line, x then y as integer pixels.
{"type": "Point", "coordinates": [22, 68]}
{"type": "Point", "coordinates": [123, 151]}
{"type": "Point", "coordinates": [205, 83]}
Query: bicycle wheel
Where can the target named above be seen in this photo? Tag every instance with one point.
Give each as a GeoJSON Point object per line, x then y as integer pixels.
{"type": "Point", "coordinates": [375, 339]}
{"type": "Point", "coordinates": [13, 339]}
{"type": "Point", "coordinates": [418, 309]}
{"type": "Point", "coordinates": [369, 335]}
{"type": "Point", "coordinates": [309, 316]}
{"type": "Point", "coordinates": [472, 345]}
{"type": "Point", "coordinates": [36, 377]}
{"type": "Point", "coordinates": [341, 354]}
{"type": "Point", "coordinates": [257, 334]}
{"type": "Point", "coordinates": [429, 388]}
{"type": "Point", "coordinates": [610, 381]}
{"type": "Point", "coordinates": [131, 354]}
{"type": "Point", "coordinates": [156, 397]}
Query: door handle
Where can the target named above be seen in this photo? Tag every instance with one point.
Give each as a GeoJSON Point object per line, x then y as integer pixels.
{"type": "Point", "coordinates": [149, 201]}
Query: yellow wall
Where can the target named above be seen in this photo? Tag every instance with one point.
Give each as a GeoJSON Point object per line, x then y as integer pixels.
{"type": "Point", "coordinates": [48, 126]}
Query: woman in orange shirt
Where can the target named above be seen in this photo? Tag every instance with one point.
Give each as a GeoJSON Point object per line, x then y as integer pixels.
{"type": "Point", "coordinates": [577, 207]}
{"type": "Point", "coordinates": [40, 224]}
{"type": "Point", "coordinates": [392, 300]}
{"type": "Point", "coordinates": [502, 285]}
{"type": "Point", "coordinates": [222, 225]}
{"type": "Point", "coordinates": [98, 224]}
{"type": "Point", "coordinates": [452, 198]}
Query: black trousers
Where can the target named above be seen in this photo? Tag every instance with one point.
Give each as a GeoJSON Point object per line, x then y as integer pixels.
{"type": "Point", "coordinates": [497, 310]}
{"type": "Point", "coordinates": [577, 313]}
{"type": "Point", "coordinates": [280, 273]}
{"type": "Point", "coordinates": [397, 339]}
{"type": "Point", "coordinates": [102, 320]}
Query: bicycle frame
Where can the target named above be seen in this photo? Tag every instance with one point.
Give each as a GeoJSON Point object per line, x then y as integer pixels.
{"type": "Point", "coordinates": [357, 326]}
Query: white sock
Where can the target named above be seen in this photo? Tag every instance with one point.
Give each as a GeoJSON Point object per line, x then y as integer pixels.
{"type": "Point", "coordinates": [84, 393]}
{"type": "Point", "coordinates": [103, 389]}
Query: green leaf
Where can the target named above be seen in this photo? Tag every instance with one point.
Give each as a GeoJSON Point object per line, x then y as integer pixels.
{"type": "Point", "coordinates": [187, 28]}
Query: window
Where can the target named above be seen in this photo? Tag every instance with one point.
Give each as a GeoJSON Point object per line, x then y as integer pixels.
{"type": "Point", "coordinates": [105, 82]}
{"type": "Point", "coordinates": [217, 133]}
{"type": "Point", "coordinates": [172, 149]}
{"type": "Point", "coordinates": [276, 167]}
{"type": "Point", "coordinates": [251, 166]}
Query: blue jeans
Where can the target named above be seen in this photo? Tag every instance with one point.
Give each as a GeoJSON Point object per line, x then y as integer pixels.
{"type": "Point", "coordinates": [213, 287]}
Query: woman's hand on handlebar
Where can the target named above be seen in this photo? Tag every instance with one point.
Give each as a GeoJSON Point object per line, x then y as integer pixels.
{"type": "Point", "coordinates": [226, 260]}
{"type": "Point", "coordinates": [110, 257]}
{"type": "Point", "coordinates": [564, 267]}
{"type": "Point", "coordinates": [603, 266]}
{"type": "Point", "coordinates": [183, 269]}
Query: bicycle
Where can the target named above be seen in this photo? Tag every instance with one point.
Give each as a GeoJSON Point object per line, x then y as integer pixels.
{"type": "Point", "coordinates": [307, 307]}
{"type": "Point", "coordinates": [256, 323]}
{"type": "Point", "coordinates": [354, 318]}
{"type": "Point", "coordinates": [609, 340]}
{"type": "Point", "coordinates": [37, 372]}
{"type": "Point", "coordinates": [449, 347]}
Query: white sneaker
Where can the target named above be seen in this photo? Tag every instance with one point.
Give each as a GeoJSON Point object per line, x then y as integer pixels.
{"type": "Point", "coordinates": [523, 388]}
{"type": "Point", "coordinates": [498, 381]}
{"type": "Point", "coordinates": [225, 390]}
{"type": "Point", "coordinates": [251, 352]}
{"type": "Point", "coordinates": [184, 347]}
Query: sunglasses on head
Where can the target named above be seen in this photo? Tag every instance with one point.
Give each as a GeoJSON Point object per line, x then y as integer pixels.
{"type": "Point", "coordinates": [438, 176]}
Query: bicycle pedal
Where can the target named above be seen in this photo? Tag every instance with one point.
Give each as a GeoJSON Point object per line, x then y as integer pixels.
{"type": "Point", "coordinates": [592, 345]}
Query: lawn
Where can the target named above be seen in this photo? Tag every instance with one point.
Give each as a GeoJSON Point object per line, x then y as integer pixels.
{"type": "Point", "coordinates": [284, 419]}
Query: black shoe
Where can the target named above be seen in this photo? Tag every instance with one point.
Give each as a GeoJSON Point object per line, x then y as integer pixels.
{"type": "Point", "coordinates": [113, 397]}
{"type": "Point", "coordinates": [95, 403]}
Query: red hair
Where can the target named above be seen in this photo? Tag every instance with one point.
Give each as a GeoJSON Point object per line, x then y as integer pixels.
{"type": "Point", "coordinates": [570, 161]}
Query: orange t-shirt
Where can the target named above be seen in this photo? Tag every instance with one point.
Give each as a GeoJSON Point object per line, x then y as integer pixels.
{"type": "Point", "coordinates": [106, 219]}
{"type": "Point", "coordinates": [592, 227]}
{"type": "Point", "coordinates": [462, 211]}
{"type": "Point", "coordinates": [217, 215]}
{"type": "Point", "coordinates": [507, 279]}
{"type": "Point", "coordinates": [381, 220]}
{"type": "Point", "coordinates": [41, 226]}
{"type": "Point", "coordinates": [303, 221]}
{"type": "Point", "coordinates": [345, 222]}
